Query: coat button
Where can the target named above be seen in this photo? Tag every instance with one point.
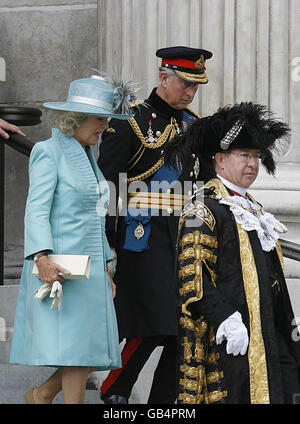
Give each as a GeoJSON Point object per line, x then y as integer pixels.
{"type": "Point", "coordinates": [169, 210]}
{"type": "Point", "coordinates": [154, 115]}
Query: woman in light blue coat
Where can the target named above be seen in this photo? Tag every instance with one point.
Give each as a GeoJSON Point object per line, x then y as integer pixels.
{"type": "Point", "coordinates": [65, 214]}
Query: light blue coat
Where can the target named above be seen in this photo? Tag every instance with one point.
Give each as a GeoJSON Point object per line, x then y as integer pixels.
{"type": "Point", "coordinates": [65, 214]}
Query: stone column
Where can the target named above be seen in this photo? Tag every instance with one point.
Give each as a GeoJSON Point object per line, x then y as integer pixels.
{"type": "Point", "coordinates": [256, 46]}
{"type": "Point", "coordinates": [45, 45]}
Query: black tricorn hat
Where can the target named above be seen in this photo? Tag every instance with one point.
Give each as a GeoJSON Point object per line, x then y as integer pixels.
{"type": "Point", "coordinates": [187, 62]}
{"type": "Point", "coordinates": [241, 126]}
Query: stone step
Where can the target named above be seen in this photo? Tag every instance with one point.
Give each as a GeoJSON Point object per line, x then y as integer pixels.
{"type": "Point", "coordinates": [16, 380]}
{"type": "Point", "coordinates": [11, 282]}
{"type": "Point", "coordinates": [4, 352]}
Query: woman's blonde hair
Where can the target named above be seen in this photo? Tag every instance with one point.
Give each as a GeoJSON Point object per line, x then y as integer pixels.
{"type": "Point", "coordinates": [67, 122]}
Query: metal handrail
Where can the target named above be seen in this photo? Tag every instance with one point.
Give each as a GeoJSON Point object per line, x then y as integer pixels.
{"type": "Point", "coordinates": [18, 142]}
{"type": "Point", "coordinates": [290, 249]}
{"type": "Point", "coordinates": [24, 146]}
{"type": "Point", "coordinates": [20, 116]}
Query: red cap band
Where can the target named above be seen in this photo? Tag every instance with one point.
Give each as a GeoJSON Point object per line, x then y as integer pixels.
{"type": "Point", "coordinates": [184, 63]}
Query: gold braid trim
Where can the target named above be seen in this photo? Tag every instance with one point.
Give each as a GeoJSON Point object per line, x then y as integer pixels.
{"type": "Point", "coordinates": [200, 256]}
{"type": "Point", "coordinates": [199, 350]}
{"type": "Point", "coordinates": [199, 327]}
{"type": "Point", "coordinates": [212, 358]}
{"type": "Point", "coordinates": [216, 396]}
{"type": "Point", "coordinates": [168, 134]}
{"type": "Point", "coordinates": [219, 187]}
{"type": "Point", "coordinates": [200, 211]}
{"type": "Point", "coordinates": [207, 397]}
{"type": "Point", "coordinates": [192, 372]}
{"type": "Point", "coordinates": [190, 399]}
{"type": "Point", "coordinates": [279, 253]}
{"type": "Point", "coordinates": [136, 157]}
{"type": "Point", "coordinates": [191, 385]}
{"type": "Point", "coordinates": [193, 113]}
{"type": "Point", "coordinates": [187, 288]}
{"type": "Point", "coordinates": [187, 348]}
{"type": "Point", "coordinates": [214, 377]}
{"type": "Point", "coordinates": [197, 252]}
{"type": "Point", "coordinates": [192, 269]}
{"type": "Point", "coordinates": [259, 388]}
{"type": "Point", "coordinates": [148, 173]}
{"type": "Point", "coordinates": [203, 239]}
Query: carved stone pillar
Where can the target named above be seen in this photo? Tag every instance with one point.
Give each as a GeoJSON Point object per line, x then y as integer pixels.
{"type": "Point", "coordinates": [256, 46]}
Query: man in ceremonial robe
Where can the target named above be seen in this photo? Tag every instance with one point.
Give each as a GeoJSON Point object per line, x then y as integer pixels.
{"type": "Point", "coordinates": [237, 336]}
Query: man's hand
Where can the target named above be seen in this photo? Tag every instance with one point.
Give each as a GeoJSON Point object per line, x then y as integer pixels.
{"type": "Point", "coordinates": [234, 330]}
{"type": "Point", "coordinates": [5, 126]}
{"type": "Point", "coordinates": [113, 286]}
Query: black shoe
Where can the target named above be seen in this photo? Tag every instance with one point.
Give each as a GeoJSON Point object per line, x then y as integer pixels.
{"type": "Point", "coordinates": [116, 399]}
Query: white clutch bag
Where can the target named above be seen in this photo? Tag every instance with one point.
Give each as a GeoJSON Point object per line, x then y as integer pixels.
{"type": "Point", "coordinates": [78, 265]}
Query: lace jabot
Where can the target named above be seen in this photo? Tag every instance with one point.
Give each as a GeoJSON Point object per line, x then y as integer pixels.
{"type": "Point", "coordinates": [252, 217]}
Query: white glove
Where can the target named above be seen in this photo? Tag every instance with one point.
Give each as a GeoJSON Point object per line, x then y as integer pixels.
{"type": "Point", "coordinates": [56, 293]}
{"type": "Point", "coordinates": [42, 292]}
{"type": "Point", "coordinates": [112, 265]}
{"type": "Point", "coordinates": [234, 330]}
{"type": "Point", "coordinates": [279, 227]}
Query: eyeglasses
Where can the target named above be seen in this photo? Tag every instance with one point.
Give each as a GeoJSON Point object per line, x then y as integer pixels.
{"type": "Point", "coordinates": [245, 156]}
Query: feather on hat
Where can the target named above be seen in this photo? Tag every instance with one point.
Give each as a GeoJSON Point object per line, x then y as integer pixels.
{"type": "Point", "coordinates": [242, 126]}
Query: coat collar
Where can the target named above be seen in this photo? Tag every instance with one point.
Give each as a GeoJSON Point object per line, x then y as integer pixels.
{"type": "Point", "coordinates": [83, 160]}
{"type": "Point", "coordinates": [158, 103]}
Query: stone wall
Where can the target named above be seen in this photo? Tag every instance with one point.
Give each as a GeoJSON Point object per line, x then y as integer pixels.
{"type": "Point", "coordinates": [45, 45]}
{"type": "Point", "coordinates": [48, 43]}
{"type": "Point", "coordinates": [256, 46]}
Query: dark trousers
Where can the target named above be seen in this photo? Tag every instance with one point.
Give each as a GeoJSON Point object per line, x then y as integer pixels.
{"type": "Point", "coordinates": [135, 354]}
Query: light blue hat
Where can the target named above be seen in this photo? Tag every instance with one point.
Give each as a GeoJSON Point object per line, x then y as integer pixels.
{"type": "Point", "coordinates": [97, 96]}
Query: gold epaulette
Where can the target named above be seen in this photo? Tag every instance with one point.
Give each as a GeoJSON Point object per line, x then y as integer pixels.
{"type": "Point", "coordinates": [199, 210]}
{"type": "Point", "coordinates": [194, 113]}
{"type": "Point", "coordinates": [136, 103]}
{"type": "Point", "coordinates": [218, 188]}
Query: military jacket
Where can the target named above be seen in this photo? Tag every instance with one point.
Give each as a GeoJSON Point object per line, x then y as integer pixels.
{"type": "Point", "coordinates": [146, 298]}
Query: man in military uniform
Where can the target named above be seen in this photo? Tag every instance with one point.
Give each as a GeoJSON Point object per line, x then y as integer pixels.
{"type": "Point", "coordinates": [237, 333]}
{"type": "Point", "coordinates": [145, 243]}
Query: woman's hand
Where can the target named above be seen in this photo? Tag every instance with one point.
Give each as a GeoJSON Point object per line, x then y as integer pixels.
{"type": "Point", "coordinates": [113, 286]}
{"type": "Point", "coordinates": [48, 271]}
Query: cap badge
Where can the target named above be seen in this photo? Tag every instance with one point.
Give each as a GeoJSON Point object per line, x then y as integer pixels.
{"type": "Point", "coordinates": [199, 64]}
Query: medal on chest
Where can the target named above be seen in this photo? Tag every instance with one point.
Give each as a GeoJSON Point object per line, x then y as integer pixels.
{"type": "Point", "coordinates": [150, 139]}
{"type": "Point", "coordinates": [139, 231]}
